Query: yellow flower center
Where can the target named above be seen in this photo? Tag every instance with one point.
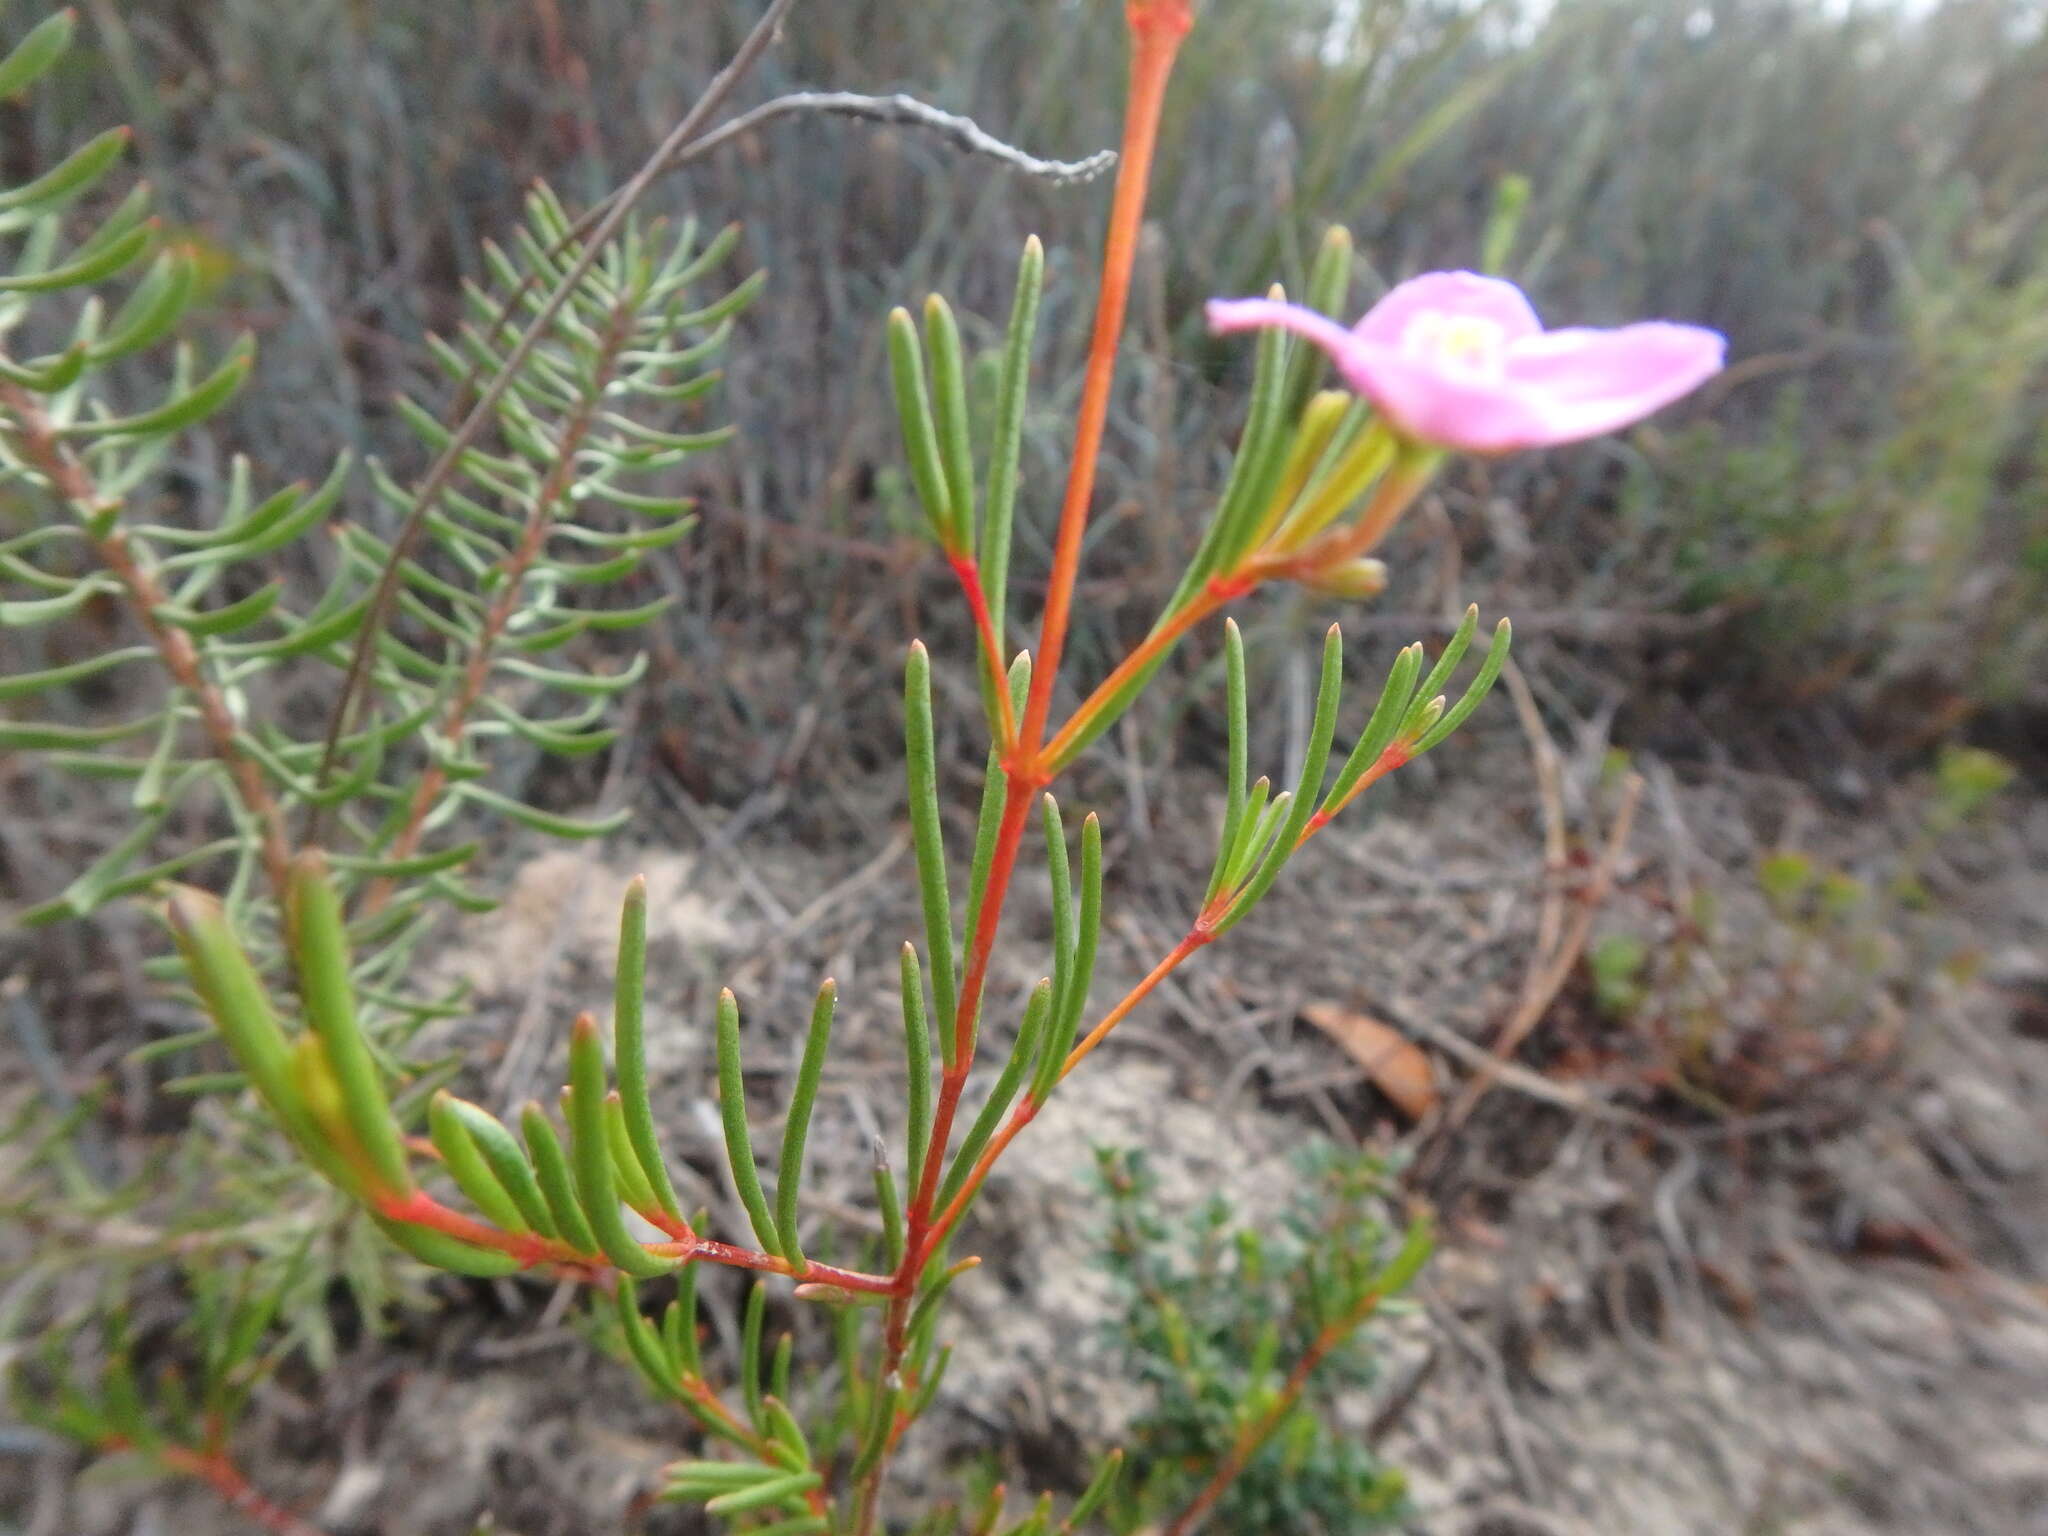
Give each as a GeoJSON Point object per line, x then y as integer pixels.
{"type": "Point", "coordinates": [1468, 344]}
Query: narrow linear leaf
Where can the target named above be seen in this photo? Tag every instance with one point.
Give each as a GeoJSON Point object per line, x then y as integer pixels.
{"type": "Point", "coordinates": [629, 1043]}
{"type": "Point", "coordinates": [739, 1142]}
{"type": "Point", "coordinates": [803, 1100]}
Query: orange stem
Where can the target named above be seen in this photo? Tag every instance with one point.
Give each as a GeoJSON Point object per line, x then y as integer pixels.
{"type": "Point", "coordinates": [420, 1209]}
{"type": "Point", "coordinates": [1219, 593]}
{"type": "Point", "coordinates": [1025, 1112]}
{"type": "Point", "coordinates": [1157, 27]}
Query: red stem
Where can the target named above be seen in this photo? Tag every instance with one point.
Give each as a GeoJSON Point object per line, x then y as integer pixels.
{"type": "Point", "coordinates": [214, 1469]}
{"type": "Point", "coordinates": [1157, 27]}
{"type": "Point", "coordinates": [1217, 594]}
{"type": "Point", "coordinates": [1009, 837]}
{"type": "Point", "coordinates": [420, 1209]}
{"type": "Point", "coordinates": [991, 646]}
{"type": "Point", "coordinates": [1026, 1111]}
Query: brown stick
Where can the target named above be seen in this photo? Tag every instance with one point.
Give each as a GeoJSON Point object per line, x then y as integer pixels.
{"type": "Point", "coordinates": [1550, 980]}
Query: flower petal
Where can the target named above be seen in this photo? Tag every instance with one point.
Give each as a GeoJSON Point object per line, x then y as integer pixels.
{"type": "Point", "coordinates": [1449, 293]}
{"type": "Point", "coordinates": [1450, 409]}
{"type": "Point", "coordinates": [1253, 314]}
{"type": "Point", "coordinates": [1585, 382]}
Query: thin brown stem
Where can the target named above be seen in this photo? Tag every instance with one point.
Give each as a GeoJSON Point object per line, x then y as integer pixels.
{"type": "Point", "coordinates": [40, 446]}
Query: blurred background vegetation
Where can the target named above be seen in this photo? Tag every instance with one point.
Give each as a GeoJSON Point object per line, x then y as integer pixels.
{"type": "Point", "coordinates": [1853, 520]}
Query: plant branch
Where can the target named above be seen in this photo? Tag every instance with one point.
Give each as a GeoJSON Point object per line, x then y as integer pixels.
{"type": "Point", "coordinates": [990, 644]}
{"type": "Point", "coordinates": [1219, 593]}
{"type": "Point", "coordinates": [533, 541]}
{"type": "Point", "coordinates": [1157, 27]}
{"type": "Point", "coordinates": [215, 1469]}
{"type": "Point", "coordinates": [74, 483]}
{"type": "Point", "coordinates": [423, 1210]}
{"type": "Point", "coordinates": [442, 473]}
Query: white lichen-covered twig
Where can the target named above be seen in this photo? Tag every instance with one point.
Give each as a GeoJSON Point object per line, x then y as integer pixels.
{"type": "Point", "coordinates": [962, 133]}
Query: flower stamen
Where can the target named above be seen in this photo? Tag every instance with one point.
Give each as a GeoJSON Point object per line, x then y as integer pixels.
{"type": "Point", "coordinates": [1472, 345]}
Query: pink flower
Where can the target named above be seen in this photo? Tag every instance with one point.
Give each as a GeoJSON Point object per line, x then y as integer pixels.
{"type": "Point", "coordinates": [1461, 361]}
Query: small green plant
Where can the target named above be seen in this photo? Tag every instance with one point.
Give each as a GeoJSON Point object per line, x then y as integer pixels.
{"type": "Point", "coordinates": [1214, 1311]}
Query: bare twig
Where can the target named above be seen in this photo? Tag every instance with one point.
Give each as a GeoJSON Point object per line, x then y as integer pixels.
{"type": "Point", "coordinates": [964, 134]}
{"type": "Point", "coordinates": [1543, 758]}
{"type": "Point", "coordinates": [1537, 998]}
{"type": "Point", "coordinates": [70, 479]}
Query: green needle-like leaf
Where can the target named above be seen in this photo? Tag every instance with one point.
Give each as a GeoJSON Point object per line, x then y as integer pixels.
{"type": "Point", "coordinates": [1072, 996]}
{"type": "Point", "coordinates": [802, 1100]}
{"type": "Point", "coordinates": [890, 1204]}
{"type": "Point", "coordinates": [508, 1164]}
{"type": "Point", "coordinates": [320, 954]}
{"type": "Point", "coordinates": [1380, 730]}
{"type": "Point", "coordinates": [920, 435]}
{"type": "Point", "coordinates": [629, 1044]}
{"type": "Point", "coordinates": [1475, 695]}
{"type": "Point", "coordinates": [239, 1006]}
{"type": "Point", "coordinates": [1098, 1489]}
{"type": "Point", "coordinates": [1235, 709]}
{"type": "Point", "coordinates": [739, 1141]}
{"type": "Point", "coordinates": [44, 45]}
{"type": "Point", "coordinates": [928, 839]}
{"type": "Point", "coordinates": [90, 267]}
{"type": "Point", "coordinates": [917, 1053]}
{"type": "Point", "coordinates": [551, 1172]}
{"type": "Point", "coordinates": [544, 821]}
{"type": "Point", "coordinates": [1315, 761]}
{"type": "Point", "coordinates": [1007, 446]}
{"type": "Point", "coordinates": [949, 410]}
{"type": "Point", "coordinates": [1446, 664]}
{"type": "Point", "coordinates": [633, 1186]}
{"type": "Point", "coordinates": [467, 1166]}
{"type": "Point", "coordinates": [590, 1158]}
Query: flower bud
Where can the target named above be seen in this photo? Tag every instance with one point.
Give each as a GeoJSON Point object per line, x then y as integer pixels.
{"type": "Point", "coordinates": [1355, 579]}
